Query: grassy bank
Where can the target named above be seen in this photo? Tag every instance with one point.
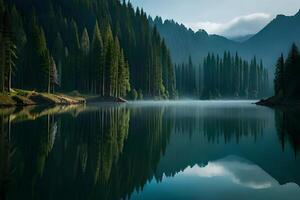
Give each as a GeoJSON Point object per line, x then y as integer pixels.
{"type": "Point", "coordinates": [19, 97]}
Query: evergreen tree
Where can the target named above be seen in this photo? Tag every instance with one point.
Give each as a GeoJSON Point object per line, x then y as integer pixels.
{"type": "Point", "coordinates": [85, 42]}
{"type": "Point", "coordinates": [110, 62]}
{"type": "Point", "coordinates": [223, 77]}
{"type": "Point", "coordinates": [286, 82]}
{"type": "Point", "coordinates": [51, 29]}
{"type": "Point", "coordinates": [7, 51]}
{"type": "Point", "coordinates": [97, 73]}
{"type": "Point", "coordinates": [85, 60]}
{"type": "Point", "coordinates": [291, 69]}
{"type": "Point", "coordinates": [53, 76]}
{"type": "Point", "coordinates": [19, 39]}
{"type": "Point", "coordinates": [123, 76]}
{"type": "Point", "coordinates": [279, 74]}
{"type": "Point", "coordinates": [59, 56]}
{"type": "Point", "coordinates": [115, 67]}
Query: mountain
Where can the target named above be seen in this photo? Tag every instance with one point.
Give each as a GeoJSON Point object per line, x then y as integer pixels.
{"type": "Point", "coordinates": [274, 39]}
{"type": "Point", "coordinates": [242, 38]}
{"type": "Point", "coordinates": [184, 42]}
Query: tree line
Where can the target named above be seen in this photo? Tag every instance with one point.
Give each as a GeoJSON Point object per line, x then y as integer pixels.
{"type": "Point", "coordinates": [223, 77]}
{"type": "Point", "coordinates": [286, 82]}
{"type": "Point", "coordinates": [101, 47]}
{"type": "Point", "coordinates": [186, 82]}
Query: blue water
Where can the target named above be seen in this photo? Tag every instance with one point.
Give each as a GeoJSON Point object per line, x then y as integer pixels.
{"type": "Point", "coordinates": [152, 150]}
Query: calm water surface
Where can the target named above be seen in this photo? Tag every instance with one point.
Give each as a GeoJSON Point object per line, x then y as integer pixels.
{"type": "Point", "coordinates": [150, 150]}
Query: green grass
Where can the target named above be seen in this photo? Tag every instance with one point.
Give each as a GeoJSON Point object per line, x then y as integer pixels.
{"type": "Point", "coordinates": [6, 99]}
{"type": "Point", "coordinates": [24, 97]}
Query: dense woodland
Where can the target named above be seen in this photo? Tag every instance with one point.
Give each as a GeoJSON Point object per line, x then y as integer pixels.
{"type": "Point", "coordinates": [287, 82]}
{"type": "Point", "coordinates": [109, 48]}
{"type": "Point", "coordinates": [103, 47]}
{"type": "Point", "coordinates": [222, 77]}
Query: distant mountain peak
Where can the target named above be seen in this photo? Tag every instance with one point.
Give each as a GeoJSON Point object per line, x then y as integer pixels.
{"type": "Point", "coordinates": [284, 16]}
{"type": "Point", "coordinates": [201, 32]}
{"type": "Point", "coordinates": [280, 16]}
{"type": "Point", "coordinates": [298, 14]}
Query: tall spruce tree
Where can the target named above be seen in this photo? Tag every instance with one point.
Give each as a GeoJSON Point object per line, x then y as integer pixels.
{"type": "Point", "coordinates": [291, 69]}
{"type": "Point", "coordinates": [97, 72]}
{"type": "Point", "coordinates": [279, 77]}
{"type": "Point", "coordinates": [85, 60]}
{"type": "Point", "coordinates": [110, 62]}
{"type": "Point", "coordinates": [8, 52]}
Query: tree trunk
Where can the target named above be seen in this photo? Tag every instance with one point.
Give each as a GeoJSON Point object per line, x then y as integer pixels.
{"type": "Point", "coordinates": [49, 76]}
{"type": "Point", "coordinates": [9, 78]}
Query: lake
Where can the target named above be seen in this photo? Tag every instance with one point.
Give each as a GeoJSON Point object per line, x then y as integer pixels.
{"type": "Point", "coordinates": [150, 150]}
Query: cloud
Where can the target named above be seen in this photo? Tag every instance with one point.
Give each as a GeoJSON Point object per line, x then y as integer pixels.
{"type": "Point", "coordinates": [237, 170]}
{"type": "Point", "coordinates": [239, 26]}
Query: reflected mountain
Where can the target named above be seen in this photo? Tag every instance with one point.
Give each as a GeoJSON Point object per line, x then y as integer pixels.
{"type": "Point", "coordinates": [232, 177]}
{"type": "Point", "coordinates": [120, 151]}
{"type": "Point", "coordinates": [238, 170]}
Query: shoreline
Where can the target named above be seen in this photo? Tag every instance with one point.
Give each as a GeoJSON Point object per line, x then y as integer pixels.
{"type": "Point", "coordinates": [23, 98]}
{"type": "Point", "coordinates": [278, 102]}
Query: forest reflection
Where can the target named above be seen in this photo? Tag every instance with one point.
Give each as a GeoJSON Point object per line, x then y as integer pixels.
{"type": "Point", "coordinates": [108, 152]}
{"type": "Point", "coordinates": [288, 128]}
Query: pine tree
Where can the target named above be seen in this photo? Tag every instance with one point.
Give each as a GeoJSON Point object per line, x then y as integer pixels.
{"type": "Point", "coordinates": [2, 48]}
{"type": "Point", "coordinates": [8, 52]}
{"type": "Point", "coordinates": [97, 73]}
{"type": "Point", "coordinates": [85, 42]}
{"type": "Point", "coordinates": [279, 77]}
{"type": "Point", "coordinates": [253, 75]}
{"type": "Point", "coordinates": [19, 39]}
{"type": "Point", "coordinates": [59, 56]}
{"type": "Point", "coordinates": [148, 61]}
{"type": "Point", "coordinates": [2, 8]}
{"type": "Point", "coordinates": [123, 76]}
{"type": "Point", "coordinates": [43, 66]}
{"type": "Point", "coordinates": [171, 86]}
{"type": "Point", "coordinates": [217, 78]}
{"type": "Point", "coordinates": [115, 67]}
{"type": "Point", "coordinates": [110, 61]}
{"type": "Point", "coordinates": [74, 62]}
{"type": "Point", "coordinates": [53, 76]}
{"type": "Point", "coordinates": [85, 59]}
{"type": "Point", "coordinates": [291, 69]}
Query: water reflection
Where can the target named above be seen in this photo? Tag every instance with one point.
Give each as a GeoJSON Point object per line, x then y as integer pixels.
{"type": "Point", "coordinates": [238, 170]}
{"type": "Point", "coordinates": [228, 178]}
{"type": "Point", "coordinates": [288, 128]}
{"type": "Point", "coordinates": [136, 150]}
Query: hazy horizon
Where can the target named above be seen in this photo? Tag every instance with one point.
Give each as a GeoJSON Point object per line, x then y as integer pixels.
{"type": "Point", "coordinates": [241, 19]}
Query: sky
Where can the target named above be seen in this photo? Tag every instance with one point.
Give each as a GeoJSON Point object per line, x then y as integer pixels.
{"type": "Point", "coordinates": [230, 18]}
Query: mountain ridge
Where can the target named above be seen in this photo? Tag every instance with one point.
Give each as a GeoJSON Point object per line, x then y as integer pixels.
{"type": "Point", "coordinates": [275, 38]}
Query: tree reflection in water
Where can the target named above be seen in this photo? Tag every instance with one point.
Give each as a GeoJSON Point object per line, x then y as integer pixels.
{"type": "Point", "coordinates": [108, 152]}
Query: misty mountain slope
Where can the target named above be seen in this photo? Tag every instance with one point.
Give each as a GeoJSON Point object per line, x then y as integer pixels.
{"type": "Point", "coordinates": [274, 39]}
{"type": "Point", "coordinates": [183, 42]}
{"type": "Point", "coordinates": [242, 38]}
